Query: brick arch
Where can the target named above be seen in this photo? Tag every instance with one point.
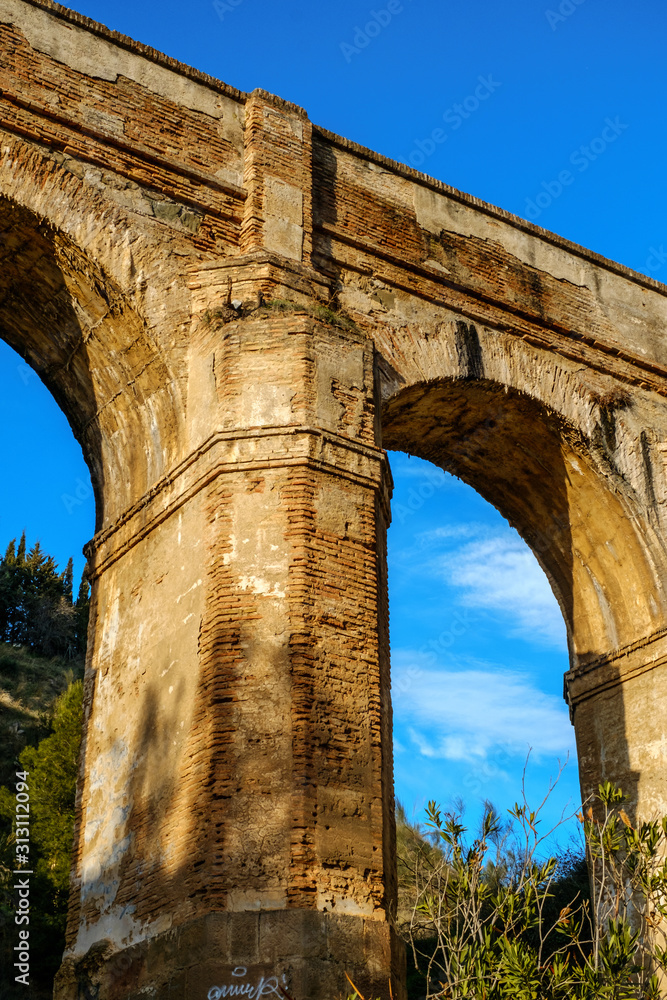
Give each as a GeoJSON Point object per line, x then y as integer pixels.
{"type": "Point", "coordinates": [553, 483]}
{"type": "Point", "coordinates": [76, 304]}
{"type": "Point", "coordinates": [572, 454]}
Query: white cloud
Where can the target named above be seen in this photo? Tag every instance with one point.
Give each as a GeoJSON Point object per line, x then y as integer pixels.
{"type": "Point", "coordinates": [447, 531]}
{"type": "Point", "coordinates": [500, 573]}
{"type": "Point", "coordinates": [411, 467]}
{"type": "Point", "coordinates": [477, 713]}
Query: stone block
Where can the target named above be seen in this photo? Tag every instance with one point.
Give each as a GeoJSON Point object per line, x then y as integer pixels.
{"type": "Point", "coordinates": [244, 938]}
{"type": "Point", "coordinates": [286, 935]}
{"type": "Point", "coordinates": [346, 938]}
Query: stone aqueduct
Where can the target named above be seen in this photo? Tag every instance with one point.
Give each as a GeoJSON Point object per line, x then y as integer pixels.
{"type": "Point", "coordinates": [169, 246]}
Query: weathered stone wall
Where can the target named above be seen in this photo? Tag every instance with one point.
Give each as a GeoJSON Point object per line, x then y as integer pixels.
{"type": "Point", "coordinates": [240, 732]}
{"type": "Point", "coordinates": [239, 312]}
{"type": "Point", "coordinates": [535, 371]}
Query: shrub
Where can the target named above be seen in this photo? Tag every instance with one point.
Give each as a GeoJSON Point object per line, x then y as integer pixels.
{"type": "Point", "coordinates": [484, 921]}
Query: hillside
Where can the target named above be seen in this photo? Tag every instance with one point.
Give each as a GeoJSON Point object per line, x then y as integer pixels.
{"type": "Point", "coordinates": [43, 634]}
{"type": "Point", "coordinates": [29, 687]}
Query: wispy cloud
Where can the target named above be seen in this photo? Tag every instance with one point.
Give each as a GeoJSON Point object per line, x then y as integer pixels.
{"type": "Point", "coordinates": [469, 714]}
{"type": "Point", "coordinates": [497, 571]}
{"type": "Point", "coordinates": [449, 531]}
{"type": "Point", "coordinates": [502, 574]}
{"type": "Point", "coordinates": [411, 468]}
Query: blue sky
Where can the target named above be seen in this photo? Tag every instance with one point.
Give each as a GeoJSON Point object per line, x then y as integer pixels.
{"type": "Point", "coordinates": [551, 110]}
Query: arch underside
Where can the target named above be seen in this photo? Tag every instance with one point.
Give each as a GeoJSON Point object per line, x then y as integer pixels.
{"type": "Point", "coordinates": [64, 314]}
{"type": "Point", "coordinates": [543, 477]}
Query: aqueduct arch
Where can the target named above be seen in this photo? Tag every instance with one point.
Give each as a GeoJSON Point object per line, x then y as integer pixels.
{"type": "Point", "coordinates": [239, 312]}
{"type": "Point", "coordinates": [552, 484]}
{"type": "Point", "coordinates": [68, 308]}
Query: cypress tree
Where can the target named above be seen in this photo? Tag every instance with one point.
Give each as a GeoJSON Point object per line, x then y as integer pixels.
{"type": "Point", "coordinates": [67, 578]}
{"type": "Point", "coordinates": [36, 605]}
{"type": "Point", "coordinates": [82, 612]}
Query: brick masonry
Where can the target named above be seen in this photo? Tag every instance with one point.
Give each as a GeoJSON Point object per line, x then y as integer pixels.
{"type": "Point", "coordinates": [239, 312]}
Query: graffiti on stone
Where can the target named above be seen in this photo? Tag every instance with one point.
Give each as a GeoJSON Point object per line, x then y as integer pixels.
{"type": "Point", "coordinates": [252, 988]}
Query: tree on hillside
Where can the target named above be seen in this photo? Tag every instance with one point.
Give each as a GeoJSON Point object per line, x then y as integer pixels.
{"type": "Point", "coordinates": [53, 768]}
{"type": "Point", "coordinates": [51, 772]}
{"type": "Point", "coordinates": [36, 603]}
{"type": "Point", "coordinates": [495, 918]}
{"type": "Point", "coordinates": [43, 634]}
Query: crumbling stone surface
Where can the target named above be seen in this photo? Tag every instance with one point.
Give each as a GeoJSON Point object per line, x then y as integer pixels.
{"type": "Point", "coordinates": [239, 313]}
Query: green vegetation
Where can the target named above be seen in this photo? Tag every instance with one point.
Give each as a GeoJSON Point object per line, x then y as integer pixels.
{"type": "Point", "coordinates": [41, 664]}
{"type": "Point", "coordinates": [51, 769]}
{"type": "Point", "coordinates": [29, 687]}
{"type": "Point", "coordinates": [326, 314]}
{"type": "Point", "coordinates": [52, 766]}
{"type": "Point", "coordinates": [318, 310]}
{"type": "Point", "coordinates": [37, 609]}
{"type": "Point", "coordinates": [492, 920]}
